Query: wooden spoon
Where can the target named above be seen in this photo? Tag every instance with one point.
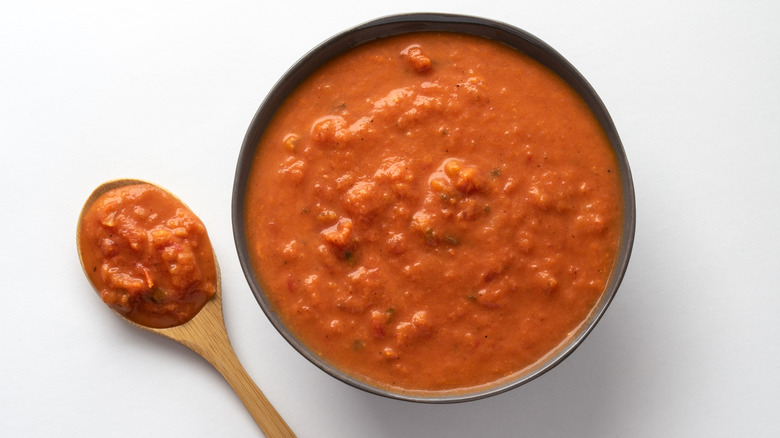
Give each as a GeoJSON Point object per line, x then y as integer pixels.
{"type": "Point", "coordinates": [205, 334]}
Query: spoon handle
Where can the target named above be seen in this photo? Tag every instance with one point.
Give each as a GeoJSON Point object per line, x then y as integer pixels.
{"type": "Point", "coordinates": [225, 361]}
{"type": "Point", "coordinates": [207, 336]}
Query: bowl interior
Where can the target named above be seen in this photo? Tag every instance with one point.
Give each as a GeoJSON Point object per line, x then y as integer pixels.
{"type": "Point", "coordinates": [406, 23]}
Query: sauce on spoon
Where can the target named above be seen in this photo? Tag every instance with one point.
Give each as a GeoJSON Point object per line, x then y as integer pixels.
{"type": "Point", "coordinates": [176, 295]}
{"type": "Point", "coordinates": [148, 255]}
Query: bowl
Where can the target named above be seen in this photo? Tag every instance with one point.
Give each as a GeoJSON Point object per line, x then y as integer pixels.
{"type": "Point", "coordinates": [406, 23]}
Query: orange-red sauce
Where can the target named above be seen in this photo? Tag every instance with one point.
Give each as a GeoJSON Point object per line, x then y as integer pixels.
{"type": "Point", "coordinates": [433, 211]}
{"type": "Point", "coordinates": [148, 255]}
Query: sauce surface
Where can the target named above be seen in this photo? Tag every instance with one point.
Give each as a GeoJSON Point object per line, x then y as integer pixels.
{"type": "Point", "coordinates": [433, 211]}
{"type": "Point", "coordinates": [148, 255]}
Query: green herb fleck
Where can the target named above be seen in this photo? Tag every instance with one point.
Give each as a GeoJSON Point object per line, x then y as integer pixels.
{"type": "Point", "coordinates": [452, 239]}
{"type": "Point", "coordinates": [471, 297]}
{"type": "Point", "coordinates": [357, 344]}
{"type": "Point", "coordinates": [495, 172]}
{"type": "Point", "coordinates": [487, 209]}
{"type": "Point", "coordinates": [157, 295]}
{"type": "Point", "coordinates": [430, 235]}
{"type": "Point", "coordinates": [304, 210]}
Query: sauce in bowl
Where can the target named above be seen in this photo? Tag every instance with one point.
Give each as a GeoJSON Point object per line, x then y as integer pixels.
{"type": "Point", "coordinates": [430, 215]}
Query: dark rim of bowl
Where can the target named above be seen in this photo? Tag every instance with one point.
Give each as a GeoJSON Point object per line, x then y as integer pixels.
{"type": "Point", "coordinates": [422, 22]}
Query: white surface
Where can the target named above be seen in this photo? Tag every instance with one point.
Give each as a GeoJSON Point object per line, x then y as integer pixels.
{"type": "Point", "coordinates": [164, 91]}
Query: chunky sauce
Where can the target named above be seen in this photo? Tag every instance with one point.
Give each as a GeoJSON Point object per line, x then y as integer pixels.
{"type": "Point", "coordinates": [148, 255]}
{"type": "Point", "coordinates": [433, 211]}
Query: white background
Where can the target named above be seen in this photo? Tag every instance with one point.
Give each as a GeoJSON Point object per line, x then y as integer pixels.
{"type": "Point", "coordinates": [164, 91]}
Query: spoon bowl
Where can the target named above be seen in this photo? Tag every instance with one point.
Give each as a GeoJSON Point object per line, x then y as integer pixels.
{"type": "Point", "coordinates": [206, 335]}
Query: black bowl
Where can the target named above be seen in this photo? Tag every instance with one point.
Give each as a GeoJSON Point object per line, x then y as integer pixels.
{"type": "Point", "coordinates": [400, 24]}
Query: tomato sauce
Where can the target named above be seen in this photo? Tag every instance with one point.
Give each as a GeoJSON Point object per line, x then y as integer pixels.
{"type": "Point", "coordinates": [433, 211]}
{"type": "Point", "coordinates": [148, 255]}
